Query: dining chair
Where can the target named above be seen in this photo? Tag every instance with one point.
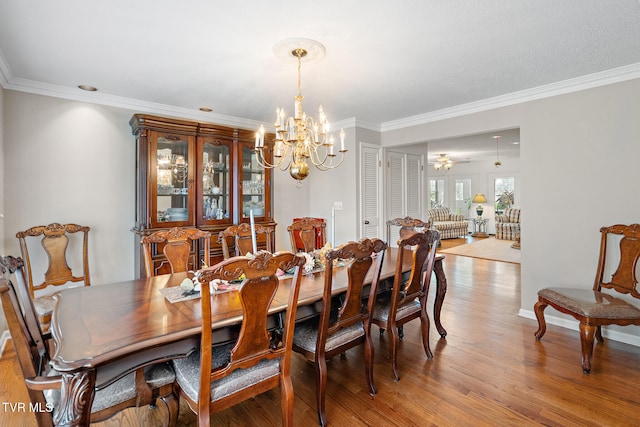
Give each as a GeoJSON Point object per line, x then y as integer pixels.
{"type": "Point", "coordinates": [408, 298]}
{"type": "Point", "coordinates": [406, 226]}
{"type": "Point", "coordinates": [139, 388]}
{"type": "Point", "coordinates": [241, 241]}
{"type": "Point", "coordinates": [55, 239]}
{"type": "Point", "coordinates": [212, 379]}
{"type": "Point", "coordinates": [307, 234]}
{"type": "Point", "coordinates": [614, 298]}
{"type": "Point", "coordinates": [176, 244]}
{"type": "Point", "coordinates": [336, 331]}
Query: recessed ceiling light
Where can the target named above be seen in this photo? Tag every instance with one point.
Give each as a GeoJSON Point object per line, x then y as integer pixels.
{"type": "Point", "coordinates": [88, 88]}
{"type": "Point", "coordinates": [206, 109]}
{"type": "Point", "coordinates": [516, 143]}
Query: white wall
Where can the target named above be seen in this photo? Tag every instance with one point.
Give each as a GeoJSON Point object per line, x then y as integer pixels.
{"type": "Point", "coordinates": [579, 154]}
{"type": "Point", "coordinates": [579, 171]}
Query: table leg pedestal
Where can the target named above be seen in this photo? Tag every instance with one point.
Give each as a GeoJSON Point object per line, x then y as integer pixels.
{"type": "Point", "coordinates": [441, 290]}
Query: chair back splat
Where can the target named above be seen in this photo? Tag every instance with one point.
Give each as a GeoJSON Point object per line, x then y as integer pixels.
{"type": "Point", "coordinates": [238, 239]}
{"type": "Point", "coordinates": [608, 301]}
{"type": "Point", "coordinates": [215, 378]}
{"type": "Point", "coordinates": [177, 248]}
{"type": "Point", "coordinates": [307, 234]}
{"type": "Point", "coordinates": [406, 226]}
{"type": "Point", "coordinates": [336, 331]}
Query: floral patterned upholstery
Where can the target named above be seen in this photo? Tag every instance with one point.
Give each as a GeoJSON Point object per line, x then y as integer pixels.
{"type": "Point", "coordinates": [450, 225]}
{"type": "Point", "coordinates": [508, 224]}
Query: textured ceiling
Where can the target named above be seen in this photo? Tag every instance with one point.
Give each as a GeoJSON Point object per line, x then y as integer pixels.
{"type": "Point", "coordinates": [385, 61]}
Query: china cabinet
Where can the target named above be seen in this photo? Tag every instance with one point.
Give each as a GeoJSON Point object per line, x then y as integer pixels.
{"type": "Point", "coordinates": [196, 174]}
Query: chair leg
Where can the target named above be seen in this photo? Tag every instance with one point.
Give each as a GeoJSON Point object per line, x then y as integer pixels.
{"type": "Point", "coordinates": [538, 308]}
{"type": "Point", "coordinates": [401, 332]}
{"type": "Point", "coordinates": [425, 326]}
{"type": "Point", "coordinates": [587, 334]}
{"type": "Point", "coordinates": [173, 408]}
{"type": "Point", "coordinates": [381, 332]}
{"type": "Point", "coordinates": [321, 387]}
{"type": "Point", "coordinates": [286, 391]}
{"type": "Point", "coordinates": [368, 361]}
{"type": "Point", "coordinates": [393, 350]}
{"type": "Point", "coordinates": [599, 336]}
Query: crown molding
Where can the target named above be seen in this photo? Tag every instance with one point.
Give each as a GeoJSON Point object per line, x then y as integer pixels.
{"type": "Point", "coordinates": [75, 94]}
{"type": "Point", "coordinates": [615, 75]}
{"type": "Point", "coordinates": [588, 81]}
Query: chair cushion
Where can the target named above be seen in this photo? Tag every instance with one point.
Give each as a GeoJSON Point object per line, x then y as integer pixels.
{"type": "Point", "coordinates": [305, 335]}
{"type": "Point", "coordinates": [590, 303]}
{"type": "Point", "coordinates": [44, 305]}
{"type": "Point", "coordinates": [121, 390]}
{"type": "Point", "coordinates": [381, 309]}
{"type": "Point", "coordinates": [188, 373]}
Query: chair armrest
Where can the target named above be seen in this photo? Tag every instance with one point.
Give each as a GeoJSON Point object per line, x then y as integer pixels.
{"type": "Point", "coordinates": [501, 218]}
{"type": "Point", "coordinates": [44, 383]}
{"type": "Point", "coordinates": [456, 217]}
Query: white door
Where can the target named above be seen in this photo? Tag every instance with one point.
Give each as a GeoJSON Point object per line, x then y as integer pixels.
{"type": "Point", "coordinates": [404, 186]}
{"type": "Point", "coordinates": [370, 196]}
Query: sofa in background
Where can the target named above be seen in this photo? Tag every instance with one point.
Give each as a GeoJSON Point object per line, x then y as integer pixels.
{"type": "Point", "coordinates": [508, 224]}
{"type": "Point", "coordinates": [450, 225]}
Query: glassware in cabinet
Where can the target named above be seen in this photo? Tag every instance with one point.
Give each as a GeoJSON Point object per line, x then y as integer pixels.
{"type": "Point", "coordinates": [255, 184]}
{"type": "Point", "coordinates": [215, 194]}
{"type": "Point", "coordinates": [172, 184]}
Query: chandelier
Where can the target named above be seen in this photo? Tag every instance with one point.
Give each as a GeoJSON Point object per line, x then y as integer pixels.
{"type": "Point", "coordinates": [300, 139]}
{"type": "Point", "coordinates": [443, 162]}
{"type": "Point", "coordinates": [497, 163]}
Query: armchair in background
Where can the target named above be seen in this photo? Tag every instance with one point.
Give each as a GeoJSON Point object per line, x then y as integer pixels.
{"type": "Point", "coordinates": [450, 225]}
{"type": "Point", "coordinates": [508, 224]}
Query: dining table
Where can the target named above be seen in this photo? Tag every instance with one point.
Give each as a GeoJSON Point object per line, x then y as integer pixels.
{"type": "Point", "coordinates": [103, 332]}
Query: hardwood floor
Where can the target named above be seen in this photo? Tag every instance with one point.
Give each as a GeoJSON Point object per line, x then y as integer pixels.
{"type": "Point", "coordinates": [489, 371]}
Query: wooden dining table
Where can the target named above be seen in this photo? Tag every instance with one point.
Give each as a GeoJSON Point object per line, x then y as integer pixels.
{"type": "Point", "coordinates": [104, 332]}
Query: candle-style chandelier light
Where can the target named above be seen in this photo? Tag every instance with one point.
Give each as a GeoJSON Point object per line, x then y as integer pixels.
{"type": "Point", "coordinates": [300, 139]}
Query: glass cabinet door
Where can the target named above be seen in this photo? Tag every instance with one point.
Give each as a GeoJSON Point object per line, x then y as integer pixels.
{"type": "Point", "coordinates": [173, 184]}
{"type": "Point", "coordinates": [254, 195]}
{"type": "Point", "coordinates": [215, 196]}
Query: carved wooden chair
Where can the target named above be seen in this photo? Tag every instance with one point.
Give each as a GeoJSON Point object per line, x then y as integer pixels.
{"type": "Point", "coordinates": [596, 307]}
{"type": "Point", "coordinates": [140, 388]}
{"type": "Point", "coordinates": [238, 238]}
{"type": "Point", "coordinates": [212, 379]}
{"type": "Point", "coordinates": [406, 226]}
{"type": "Point", "coordinates": [335, 332]}
{"type": "Point", "coordinates": [176, 247]}
{"type": "Point", "coordinates": [408, 299]}
{"type": "Point", "coordinates": [55, 242]}
{"type": "Point", "coordinates": [307, 234]}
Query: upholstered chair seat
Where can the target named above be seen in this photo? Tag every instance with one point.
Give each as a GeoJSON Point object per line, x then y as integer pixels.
{"type": "Point", "coordinates": [590, 303]}
{"type": "Point", "coordinates": [122, 390]}
{"type": "Point", "coordinates": [188, 373]}
{"type": "Point", "coordinates": [306, 335]}
{"type": "Point", "coordinates": [383, 305]}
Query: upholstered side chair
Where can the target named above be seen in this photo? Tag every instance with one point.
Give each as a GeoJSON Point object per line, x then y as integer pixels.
{"type": "Point", "coordinates": [212, 379]}
{"type": "Point", "coordinates": [614, 298]}
{"type": "Point", "coordinates": [55, 240]}
{"type": "Point", "coordinates": [334, 332]}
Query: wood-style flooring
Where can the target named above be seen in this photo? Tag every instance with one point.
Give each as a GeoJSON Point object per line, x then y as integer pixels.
{"type": "Point", "coordinates": [489, 371]}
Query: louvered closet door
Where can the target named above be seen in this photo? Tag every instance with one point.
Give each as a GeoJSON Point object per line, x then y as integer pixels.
{"type": "Point", "coordinates": [370, 191]}
{"type": "Point", "coordinates": [404, 186]}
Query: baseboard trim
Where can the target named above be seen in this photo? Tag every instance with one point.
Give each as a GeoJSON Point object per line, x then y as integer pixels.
{"type": "Point", "coordinates": [574, 325]}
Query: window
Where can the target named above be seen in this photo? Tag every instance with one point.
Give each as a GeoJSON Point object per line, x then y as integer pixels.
{"type": "Point", "coordinates": [436, 192]}
{"type": "Point", "coordinates": [463, 196]}
{"type": "Point", "coordinates": [504, 193]}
